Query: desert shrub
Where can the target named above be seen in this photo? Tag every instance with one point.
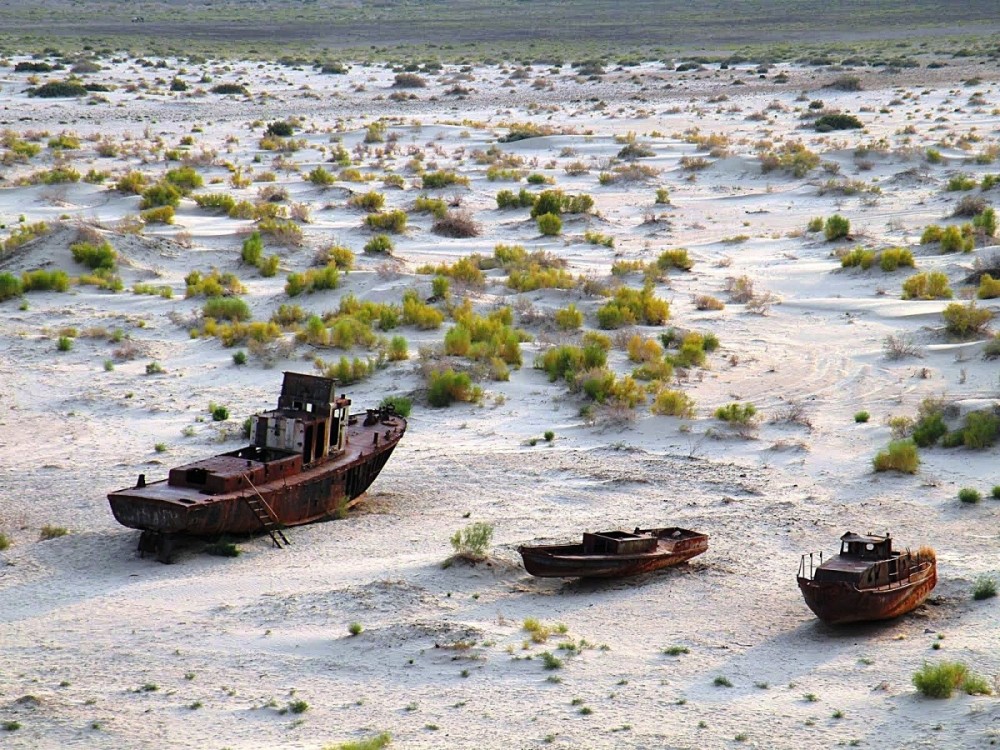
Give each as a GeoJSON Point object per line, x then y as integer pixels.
{"type": "Point", "coordinates": [929, 429]}
{"type": "Point", "coordinates": [549, 224]}
{"type": "Point", "coordinates": [447, 386]}
{"type": "Point", "coordinates": [931, 234]}
{"type": "Point", "coordinates": [434, 206]}
{"type": "Point", "coordinates": [969, 495]}
{"type": "Point", "coordinates": [33, 66]}
{"type": "Point", "coordinates": [280, 128]}
{"type": "Point", "coordinates": [226, 308]}
{"type": "Point", "coordinates": [95, 256]}
{"type": "Point", "coordinates": [214, 284]}
{"type": "Point", "coordinates": [980, 430]}
{"type": "Point", "coordinates": [962, 182]}
{"type": "Point", "coordinates": [340, 256]}
{"type": "Point", "coordinates": [253, 249]}
{"type": "Point", "coordinates": [893, 257]}
{"type": "Point", "coordinates": [387, 221]}
{"type": "Point", "coordinates": [320, 177]}
{"type": "Point", "coordinates": [965, 320]}
{"type": "Point", "coordinates": [230, 88]}
{"type": "Point", "coordinates": [676, 258]}
{"type": "Point", "coordinates": [859, 257]}
{"type": "Point", "coordinates": [954, 240]}
{"type": "Point", "coordinates": [537, 277]}
{"type": "Point", "coordinates": [473, 542]}
{"type": "Point", "coordinates": [838, 121]}
{"type": "Point", "coordinates": [185, 179]}
{"type": "Point", "coordinates": [672, 403]}
{"type": "Point", "coordinates": [371, 201]}
{"type": "Point", "coordinates": [861, 417]}
{"type": "Point", "coordinates": [58, 89]}
{"type": "Point", "coordinates": [56, 176]}
{"type": "Point", "coordinates": [10, 286]}
{"type": "Point", "coordinates": [160, 194]}
{"type": "Point", "coordinates": [836, 227]}
{"type": "Point", "coordinates": [737, 413]}
{"type": "Point", "coordinates": [312, 280]}
{"type": "Point", "coordinates": [989, 288]}
{"type": "Point", "coordinates": [940, 680]}
{"type": "Point", "coordinates": [933, 285]}
{"type": "Point", "coordinates": [45, 281]}
{"type": "Point", "coordinates": [708, 302]}
{"type": "Point", "coordinates": [409, 81]}
{"type": "Point", "coordinates": [901, 455]}
{"type": "Point", "coordinates": [986, 222]}
{"type": "Point", "coordinates": [597, 238]}
{"type": "Point", "coordinates": [380, 244]}
{"type": "Point", "coordinates": [397, 350]}
{"type": "Point", "coordinates": [456, 224]}
{"type": "Point", "coordinates": [400, 404]}
{"type": "Point", "coordinates": [465, 270]}
{"type": "Point", "coordinates": [509, 199]}
{"type": "Point", "coordinates": [161, 215]}
{"type": "Point", "coordinates": [281, 230]}
{"type": "Point", "coordinates": [442, 179]}
{"type": "Point", "coordinates": [220, 201]}
{"type": "Point", "coordinates": [132, 183]}
{"type": "Point", "coordinates": [984, 588]}
{"type": "Point", "coordinates": [568, 318]}
{"type": "Point", "coordinates": [630, 306]}
{"type": "Point", "coordinates": [419, 314]}
{"type": "Point", "coordinates": [565, 361]}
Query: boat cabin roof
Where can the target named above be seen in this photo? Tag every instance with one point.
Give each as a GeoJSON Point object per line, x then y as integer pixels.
{"type": "Point", "coordinates": [850, 536]}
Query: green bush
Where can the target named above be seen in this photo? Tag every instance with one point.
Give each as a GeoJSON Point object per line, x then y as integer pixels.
{"type": "Point", "coordinates": [132, 183]}
{"type": "Point", "coordinates": [95, 256]}
{"type": "Point", "coordinates": [986, 222]}
{"type": "Point", "coordinates": [969, 495]}
{"type": "Point", "coordinates": [45, 281]}
{"type": "Point", "coordinates": [838, 121]}
{"type": "Point", "coordinates": [447, 386]}
{"type": "Point", "coordinates": [933, 285]}
{"type": "Point", "coordinates": [981, 430]}
{"type": "Point", "coordinates": [64, 344]}
{"type": "Point", "coordinates": [965, 320]}
{"type": "Point", "coordinates": [160, 194]}
{"type": "Point", "coordinates": [509, 199]}
{"type": "Point", "coordinates": [280, 128]}
{"type": "Point", "coordinates": [230, 88]}
{"type": "Point", "coordinates": [441, 179]}
{"type": "Point", "coordinates": [568, 318]}
{"type": "Point", "coordinates": [815, 224]}
{"type": "Point", "coordinates": [379, 244]}
{"type": "Point", "coordinates": [387, 221]}
{"type": "Point", "coordinates": [940, 680]}
{"type": "Point", "coordinates": [859, 257]}
{"type": "Point", "coordinates": [955, 240]}
{"type": "Point", "coordinates": [371, 201]}
{"type": "Point", "coordinates": [253, 249]}
{"type": "Point", "coordinates": [58, 176]}
{"type": "Point", "coordinates": [893, 257]}
{"type": "Point", "coordinates": [672, 403]}
{"type": "Point", "coordinates": [220, 201]}
{"type": "Point", "coordinates": [549, 225]}
{"type": "Point", "coordinates": [676, 258]}
{"type": "Point", "coordinates": [836, 227]}
{"type": "Point", "coordinates": [320, 177]}
{"type": "Point", "coordinates": [58, 89]}
{"type": "Point", "coordinates": [10, 286]}
{"type": "Point", "coordinates": [989, 288]}
{"type": "Point", "coordinates": [901, 455]}
{"type": "Point", "coordinates": [861, 417]}
{"type": "Point", "coordinates": [985, 588]}
{"type": "Point", "coordinates": [473, 542]}
{"type": "Point", "coordinates": [736, 413]}
{"type": "Point", "coordinates": [185, 179]}
{"type": "Point", "coordinates": [226, 308]}
{"type": "Point", "coordinates": [929, 430]}
{"type": "Point", "coordinates": [401, 404]}
{"type": "Point", "coordinates": [961, 182]}
{"type": "Point", "coordinates": [312, 280]}
{"type": "Point", "coordinates": [160, 215]}
{"type": "Point", "coordinates": [219, 413]}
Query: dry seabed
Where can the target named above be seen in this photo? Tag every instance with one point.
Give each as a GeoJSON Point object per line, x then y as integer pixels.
{"type": "Point", "coordinates": [103, 649]}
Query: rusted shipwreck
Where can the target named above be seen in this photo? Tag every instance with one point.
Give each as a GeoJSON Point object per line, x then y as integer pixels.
{"type": "Point", "coordinates": [614, 554]}
{"type": "Point", "coordinates": [868, 580]}
{"type": "Point", "coordinates": [307, 460]}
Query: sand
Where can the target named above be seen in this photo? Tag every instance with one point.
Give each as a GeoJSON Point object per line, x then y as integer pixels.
{"type": "Point", "coordinates": [99, 648]}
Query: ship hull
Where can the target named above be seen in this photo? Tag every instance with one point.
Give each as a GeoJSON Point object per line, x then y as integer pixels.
{"type": "Point", "coordinates": [570, 560]}
{"type": "Point", "coordinates": [310, 496]}
{"type": "Point", "coordinates": [839, 602]}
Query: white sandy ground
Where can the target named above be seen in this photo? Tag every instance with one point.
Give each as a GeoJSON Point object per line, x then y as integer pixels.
{"type": "Point", "coordinates": [85, 624]}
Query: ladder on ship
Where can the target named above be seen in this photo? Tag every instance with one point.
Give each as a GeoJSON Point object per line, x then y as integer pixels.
{"type": "Point", "coordinates": [268, 520]}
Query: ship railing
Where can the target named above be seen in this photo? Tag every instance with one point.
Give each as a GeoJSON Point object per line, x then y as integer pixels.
{"type": "Point", "coordinates": [808, 564]}
{"type": "Point", "coordinates": [915, 567]}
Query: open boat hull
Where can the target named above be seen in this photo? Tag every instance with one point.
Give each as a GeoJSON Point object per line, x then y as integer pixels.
{"type": "Point", "coordinates": [571, 561]}
{"type": "Point", "coordinates": [839, 602]}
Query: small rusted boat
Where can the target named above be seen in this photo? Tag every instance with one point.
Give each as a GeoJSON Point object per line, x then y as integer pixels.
{"type": "Point", "coordinates": [868, 580]}
{"type": "Point", "coordinates": [614, 554]}
{"type": "Point", "coordinates": [309, 459]}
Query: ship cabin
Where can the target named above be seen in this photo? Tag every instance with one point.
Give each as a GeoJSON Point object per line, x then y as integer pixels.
{"type": "Point", "coordinates": [865, 560]}
{"type": "Point", "coordinates": [310, 420]}
{"type": "Point", "coordinates": [617, 543]}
